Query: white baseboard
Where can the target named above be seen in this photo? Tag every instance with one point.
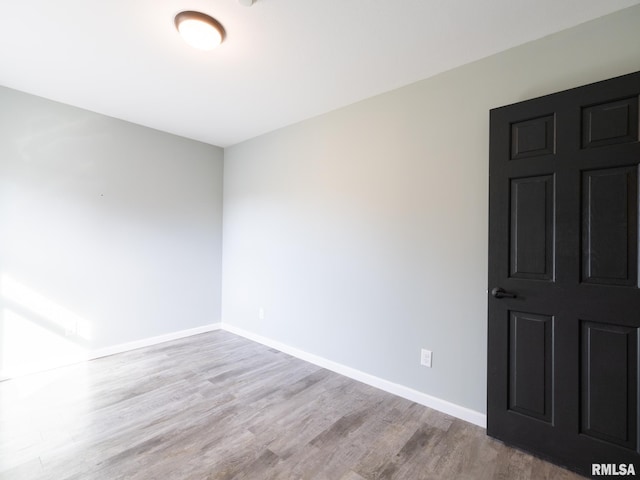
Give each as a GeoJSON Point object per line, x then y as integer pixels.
{"type": "Point", "coordinates": [430, 401]}
{"type": "Point", "coordinates": [106, 351]}
{"type": "Point", "coordinates": [147, 342]}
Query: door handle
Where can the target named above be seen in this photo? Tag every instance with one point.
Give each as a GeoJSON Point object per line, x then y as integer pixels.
{"type": "Point", "coordinates": [499, 292]}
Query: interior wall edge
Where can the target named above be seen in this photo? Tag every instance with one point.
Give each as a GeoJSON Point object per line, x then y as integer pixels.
{"type": "Point", "coordinates": [444, 406]}
{"type": "Point", "coordinates": [148, 342]}
{"type": "Point", "coordinates": [121, 348]}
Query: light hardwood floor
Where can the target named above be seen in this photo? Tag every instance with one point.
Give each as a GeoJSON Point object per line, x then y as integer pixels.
{"type": "Point", "coordinates": [217, 406]}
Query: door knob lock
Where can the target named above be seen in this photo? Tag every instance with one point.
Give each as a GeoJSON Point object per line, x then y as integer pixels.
{"type": "Point", "coordinates": [499, 292]}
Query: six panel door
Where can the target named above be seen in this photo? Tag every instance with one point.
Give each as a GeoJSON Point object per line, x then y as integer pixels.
{"type": "Point", "coordinates": [564, 302]}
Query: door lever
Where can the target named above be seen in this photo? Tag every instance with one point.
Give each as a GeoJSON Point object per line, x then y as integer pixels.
{"type": "Point", "coordinates": [499, 292]}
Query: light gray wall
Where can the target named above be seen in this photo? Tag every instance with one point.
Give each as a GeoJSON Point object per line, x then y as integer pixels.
{"type": "Point", "coordinates": [103, 223]}
{"type": "Point", "coordinates": [363, 232]}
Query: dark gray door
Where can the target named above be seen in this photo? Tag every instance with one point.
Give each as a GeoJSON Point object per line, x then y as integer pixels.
{"type": "Point", "coordinates": [564, 303]}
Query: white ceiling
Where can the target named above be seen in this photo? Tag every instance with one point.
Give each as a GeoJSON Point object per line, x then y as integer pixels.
{"type": "Point", "coordinates": [282, 60]}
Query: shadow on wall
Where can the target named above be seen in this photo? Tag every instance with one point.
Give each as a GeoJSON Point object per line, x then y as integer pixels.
{"type": "Point", "coordinates": [37, 333]}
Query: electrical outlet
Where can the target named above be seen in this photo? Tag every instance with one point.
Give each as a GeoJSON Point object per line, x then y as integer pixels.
{"type": "Point", "coordinates": [261, 313]}
{"type": "Point", "coordinates": [425, 357]}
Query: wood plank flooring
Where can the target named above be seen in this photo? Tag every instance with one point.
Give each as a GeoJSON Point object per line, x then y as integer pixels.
{"type": "Point", "coordinates": [217, 406]}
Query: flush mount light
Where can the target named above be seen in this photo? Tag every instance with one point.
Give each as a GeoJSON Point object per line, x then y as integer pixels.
{"type": "Point", "coordinates": [199, 30]}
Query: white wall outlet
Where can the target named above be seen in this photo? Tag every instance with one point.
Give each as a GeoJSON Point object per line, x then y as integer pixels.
{"type": "Point", "coordinates": [261, 313]}
{"type": "Point", "coordinates": [425, 357]}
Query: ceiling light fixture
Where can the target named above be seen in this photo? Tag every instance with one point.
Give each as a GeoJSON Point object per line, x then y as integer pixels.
{"type": "Point", "coordinates": [199, 30]}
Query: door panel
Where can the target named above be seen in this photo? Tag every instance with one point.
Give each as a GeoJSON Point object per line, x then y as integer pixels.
{"type": "Point", "coordinates": [609, 387]}
{"type": "Point", "coordinates": [609, 238]}
{"type": "Point", "coordinates": [530, 364]}
{"type": "Point", "coordinates": [532, 227]}
{"type": "Point", "coordinates": [609, 123]}
{"type": "Point", "coordinates": [533, 138]}
{"type": "Point", "coordinates": [563, 249]}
